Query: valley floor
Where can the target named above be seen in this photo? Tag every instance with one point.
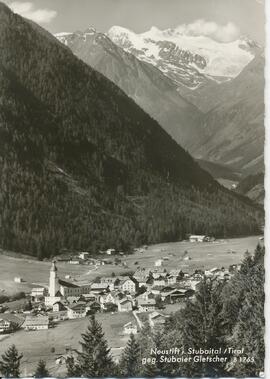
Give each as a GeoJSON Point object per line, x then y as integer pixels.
{"type": "Point", "coordinates": [52, 343]}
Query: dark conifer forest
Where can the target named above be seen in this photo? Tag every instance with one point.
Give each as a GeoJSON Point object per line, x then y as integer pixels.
{"type": "Point", "coordinates": [83, 167]}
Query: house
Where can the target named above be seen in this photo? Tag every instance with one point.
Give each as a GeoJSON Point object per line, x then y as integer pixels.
{"type": "Point", "coordinates": [186, 258]}
{"type": "Point", "coordinates": [99, 287]}
{"type": "Point", "coordinates": [125, 305]}
{"type": "Point", "coordinates": [129, 285]}
{"type": "Point", "coordinates": [74, 262]}
{"type": "Point", "coordinates": [159, 272]}
{"type": "Point", "coordinates": [36, 323]}
{"type": "Point", "coordinates": [167, 289]}
{"type": "Point", "coordinates": [106, 298]}
{"type": "Point", "coordinates": [142, 282]}
{"type": "Point", "coordinates": [84, 255]}
{"type": "Point", "coordinates": [176, 295]}
{"type": "Point", "coordinates": [156, 319]}
{"type": "Point", "coordinates": [146, 305]}
{"type": "Point", "coordinates": [212, 272]}
{"type": "Point", "coordinates": [156, 290]}
{"type": "Point", "coordinates": [76, 310]}
{"type": "Point", "coordinates": [58, 316]}
{"type": "Point", "coordinates": [175, 272]}
{"type": "Point", "coordinates": [110, 251]}
{"type": "Point", "coordinates": [160, 281]}
{"type": "Point", "coordinates": [5, 325]}
{"type": "Point", "coordinates": [145, 296]}
{"type": "Point", "coordinates": [198, 238]}
{"type": "Point", "coordinates": [172, 279]}
{"type": "Point", "coordinates": [38, 294]}
{"type": "Point", "coordinates": [110, 281]}
{"type": "Point", "coordinates": [142, 274]}
{"type": "Point", "coordinates": [159, 262]}
{"type": "Point", "coordinates": [58, 306]}
{"type": "Point", "coordinates": [130, 328]}
{"type": "Point", "coordinates": [18, 279]}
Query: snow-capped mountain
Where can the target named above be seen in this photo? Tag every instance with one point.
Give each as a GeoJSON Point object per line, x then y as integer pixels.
{"type": "Point", "coordinates": [145, 84]}
{"type": "Point", "coordinates": [226, 124]}
{"type": "Point", "coordinates": [186, 58]}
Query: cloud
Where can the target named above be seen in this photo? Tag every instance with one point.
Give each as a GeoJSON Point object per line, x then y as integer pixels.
{"type": "Point", "coordinates": [27, 10]}
{"type": "Point", "coordinates": [222, 33]}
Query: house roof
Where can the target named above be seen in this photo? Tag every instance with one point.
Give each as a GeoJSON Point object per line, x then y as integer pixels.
{"type": "Point", "coordinates": [77, 306]}
{"type": "Point", "coordinates": [147, 302]}
{"type": "Point", "coordinates": [36, 320]}
{"type": "Point", "coordinates": [67, 284]}
{"type": "Point", "coordinates": [130, 324]}
{"type": "Point", "coordinates": [155, 315]}
{"type": "Point", "coordinates": [123, 301]}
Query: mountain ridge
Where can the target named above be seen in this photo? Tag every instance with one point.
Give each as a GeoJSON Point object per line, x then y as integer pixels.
{"type": "Point", "coordinates": [83, 167]}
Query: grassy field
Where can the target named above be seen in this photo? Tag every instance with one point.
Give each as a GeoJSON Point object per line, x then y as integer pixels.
{"type": "Point", "coordinates": [203, 255]}
{"type": "Point", "coordinates": [38, 345]}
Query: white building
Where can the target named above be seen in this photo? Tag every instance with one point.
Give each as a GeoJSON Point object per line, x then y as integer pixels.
{"type": "Point", "coordinates": [130, 328]}
{"type": "Point", "coordinates": [5, 325]}
{"type": "Point", "coordinates": [78, 310]}
{"type": "Point", "coordinates": [197, 238]}
{"type": "Point", "coordinates": [59, 289]}
{"type": "Point", "coordinates": [18, 279]}
{"type": "Point", "coordinates": [36, 323]}
{"type": "Point", "coordinates": [84, 255]}
{"type": "Point", "coordinates": [159, 262]}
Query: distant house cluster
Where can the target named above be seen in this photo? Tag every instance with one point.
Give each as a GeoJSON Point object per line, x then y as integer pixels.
{"type": "Point", "coordinates": [146, 291]}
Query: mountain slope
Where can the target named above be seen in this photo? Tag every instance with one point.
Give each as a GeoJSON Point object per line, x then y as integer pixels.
{"type": "Point", "coordinates": [145, 84]}
{"type": "Point", "coordinates": [83, 167]}
{"type": "Point", "coordinates": [253, 187]}
{"type": "Point", "coordinates": [231, 133]}
{"type": "Point", "coordinates": [234, 128]}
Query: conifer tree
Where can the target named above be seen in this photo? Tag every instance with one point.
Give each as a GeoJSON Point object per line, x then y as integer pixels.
{"type": "Point", "coordinates": [10, 363]}
{"type": "Point", "coordinates": [41, 370]}
{"type": "Point", "coordinates": [130, 360]}
{"type": "Point", "coordinates": [94, 360]}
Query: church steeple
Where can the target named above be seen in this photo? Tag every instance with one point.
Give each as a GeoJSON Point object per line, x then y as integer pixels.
{"type": "Point", "coordinates": [53, 285]}
{"type": "Point", "coordinates": [53, 267]}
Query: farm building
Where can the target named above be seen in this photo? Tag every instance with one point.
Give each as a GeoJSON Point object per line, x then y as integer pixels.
{"type": "Point", "coordinates": [125, 305]}
{"type": "Point", "coordinates": [36, 323]}
{"type": "Point", "coordinates": [146, 305]}
{"type": "Point", "coordinates": [197, 238]}
{"type": "Point", "coordinates": [18, 279]}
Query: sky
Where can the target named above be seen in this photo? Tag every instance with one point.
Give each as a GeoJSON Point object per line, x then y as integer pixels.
{"type": "Point", "coordinates": [224, 20]}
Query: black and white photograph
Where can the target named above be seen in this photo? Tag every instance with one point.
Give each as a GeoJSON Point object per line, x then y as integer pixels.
{"type": "Point", "coordinates": [132, 139]}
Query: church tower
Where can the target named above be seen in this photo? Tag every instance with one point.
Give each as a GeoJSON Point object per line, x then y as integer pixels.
{"type": "Point", "coordinates": [53, 285]}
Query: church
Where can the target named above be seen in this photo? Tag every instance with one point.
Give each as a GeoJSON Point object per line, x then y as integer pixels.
{"type": "Point", "coordinates": [60, 289]}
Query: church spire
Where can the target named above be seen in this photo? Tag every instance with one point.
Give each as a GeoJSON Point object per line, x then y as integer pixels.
{"type": "Point", "coordinates": [53, 267]}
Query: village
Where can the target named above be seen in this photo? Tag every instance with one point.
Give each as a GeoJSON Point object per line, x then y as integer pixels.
{"type": "Point", "coordinates": [147, 290]}
{"type": "Point", "coordinates": [124, 291]}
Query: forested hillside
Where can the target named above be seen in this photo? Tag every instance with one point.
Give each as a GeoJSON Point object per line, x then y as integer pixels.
{"type": "Point", "coordinates": [83, 167]}
{"type": "Point", "coordinates": [253, 187]}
